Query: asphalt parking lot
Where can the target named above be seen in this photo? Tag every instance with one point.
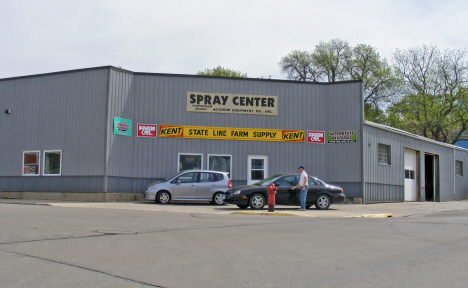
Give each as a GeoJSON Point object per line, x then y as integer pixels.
{"type": "Point", "coordinates": [143, 244]}
{"type": "Point", "coordinates": [401, 209]}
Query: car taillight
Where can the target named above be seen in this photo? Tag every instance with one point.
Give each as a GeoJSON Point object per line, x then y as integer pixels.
{"type": "Point", "coordinates": [229, 185]}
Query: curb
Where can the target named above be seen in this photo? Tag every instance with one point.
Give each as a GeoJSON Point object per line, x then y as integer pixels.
{"type": "Point", "coordinates": [269, 214]}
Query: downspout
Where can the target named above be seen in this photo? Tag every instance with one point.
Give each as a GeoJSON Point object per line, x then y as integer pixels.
{"type": "Point", "coordinates": [362, 146]}
{"type": "Point", "coordinates": [106, 151]}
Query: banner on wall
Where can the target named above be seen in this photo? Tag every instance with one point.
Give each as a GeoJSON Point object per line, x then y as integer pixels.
{"type": "Point", "coordinates": [317, 137]}
{"type": "Point", "coordinates": [224, 133]}
{"type": "Point", "coordinates": [341, 136]}
{"type": "Point", "coordinates": [122, 126]}
{"type": "Point", "coordinates": [147, 130]}
{"type": "Point", "coordinates": [232, 103]}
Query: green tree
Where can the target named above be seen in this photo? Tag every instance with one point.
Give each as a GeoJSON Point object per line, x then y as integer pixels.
{"type": "Point", "coordinates": [330, 58]}
{"type": "Point", "coordinates": [337, 61]}
{"type": "Point", "coordinates": [379, 80]}
{"type": "Point", "coordinates": [222, 72]}
{"type": "Point", "coordinates": [433, 99]}
{"type": "Point", "coordinates": [299, 66]}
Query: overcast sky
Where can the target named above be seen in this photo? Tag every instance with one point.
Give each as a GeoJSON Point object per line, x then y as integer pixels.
{"type": "Point", "coordinates": [187, 36]}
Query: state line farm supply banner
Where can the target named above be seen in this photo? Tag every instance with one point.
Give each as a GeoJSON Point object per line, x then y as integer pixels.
{"type": "Point", "coordinates": [232, 103]}
{"type": "Point", "coordinates": [341, 136]}
{"type": "Point", "coordinates": [224, 133]}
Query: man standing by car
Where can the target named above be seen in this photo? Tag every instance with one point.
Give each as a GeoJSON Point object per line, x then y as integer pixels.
{"type": "Point", "coordinates": [303, 183]}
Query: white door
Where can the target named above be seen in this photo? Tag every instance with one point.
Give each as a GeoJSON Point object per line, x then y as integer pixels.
{"type": "Point", "coordinates": [410, 175]}
{"type": "Point", "coordinates": [257, 168]}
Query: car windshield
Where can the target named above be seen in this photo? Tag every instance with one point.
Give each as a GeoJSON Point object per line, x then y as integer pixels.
{"type": "Point", "coordinates": [268, 181]}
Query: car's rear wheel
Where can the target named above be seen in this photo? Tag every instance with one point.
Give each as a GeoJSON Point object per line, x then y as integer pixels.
{"type": "Point", "coordinates": [218, 198]}
{"type": "Point", "coordinates": [322, 202]}
{"type": "Point", "coordinates": [257, 201]}
{"type": "Point", "coordinates": [243, 206]}
{"type": "Point", "coordinates": [163, 197]}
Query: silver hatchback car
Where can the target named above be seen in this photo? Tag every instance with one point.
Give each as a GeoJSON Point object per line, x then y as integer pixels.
{"type": "Point", "coordinates": [190, 185]}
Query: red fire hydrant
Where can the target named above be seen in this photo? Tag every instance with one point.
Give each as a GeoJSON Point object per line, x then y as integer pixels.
{"type": "Point", "coordinates": [271, 197]}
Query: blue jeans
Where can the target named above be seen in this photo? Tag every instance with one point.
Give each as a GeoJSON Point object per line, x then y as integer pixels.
{"type": "Point", "coordinates": [302, 197]}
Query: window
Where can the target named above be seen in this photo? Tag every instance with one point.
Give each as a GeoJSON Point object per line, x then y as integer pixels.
{"type": "Point", "coordinates": [410, 174]}
{"type": "Point", "coordinates": [257, 169]}
{"type": "Point", "coordinates": [31, 160]}
{"type": "Point", "coordinates": [287, 181]}
{"type": "Point", "coordinates": [190, 161]}
{"type": "Point", "coordinates": [191, 177]}
{"type": "Point", "coordinates": [384, 154]}
{"type": "Point", "coordinates": [311, 182]}
{"type": "Point", "coordinates": [459, 168]}
{"type": "Point", "coordinates": [52, 163]}
{"type": "Point", "coordinates": [207, 177]}
{"type": "Point", "coordinates": [220, 163]}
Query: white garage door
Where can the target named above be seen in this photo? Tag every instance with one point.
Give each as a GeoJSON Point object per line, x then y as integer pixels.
{"type": "Point", "coordinates": [410, 175]}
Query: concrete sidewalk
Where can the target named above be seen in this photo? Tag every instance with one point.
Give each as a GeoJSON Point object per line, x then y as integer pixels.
{"type": "Point", "coordinates": [402, 209]}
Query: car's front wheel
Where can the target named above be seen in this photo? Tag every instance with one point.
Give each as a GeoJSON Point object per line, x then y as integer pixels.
{"type": "Point", "coordinates": [218, 199]}
{"type": "Point", "coordinates": [257, 201]}
{"type": "Point", "coordinates": [322, 202]}
{"type": "Point", "coordinates": [163, 197]}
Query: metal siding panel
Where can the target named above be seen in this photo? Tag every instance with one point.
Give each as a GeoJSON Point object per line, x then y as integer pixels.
{"type": "Point", "coordinates": [59, 111]}
{"type": "Point", "coordinates": [298, 103]}
{"type": "Point", "coordinates": [394, 173]}
{"type": "Point", "coordinates": [121, 104]}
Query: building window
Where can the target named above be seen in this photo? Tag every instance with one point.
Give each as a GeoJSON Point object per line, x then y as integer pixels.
{"type": "Point", "coordinates": [220, 163]}
{"type": "Point", "coordinates": [410, 174]}
{"type": "Point", "coordinates": [190, 161]}
{"type": "Point", "coordinates": [31, 160]}
{"type": "Point", "coordinates": [52, 163]}
{"type": "Point", "coordinates": [459, 168]}
{"type": "Point", "coordinates": [257, 169]}
{"type": "Point", "coordinates": [384, 154]}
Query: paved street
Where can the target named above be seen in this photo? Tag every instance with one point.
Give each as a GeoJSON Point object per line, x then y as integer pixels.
{"type": "Point", "coordinates": [71, 244]}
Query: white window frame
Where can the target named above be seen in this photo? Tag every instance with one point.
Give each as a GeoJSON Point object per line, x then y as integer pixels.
{"type": "Point", "coordinates": [461, 168]}
{"type": "Point", "coordinates": [224, 155]}
{"type": "Point", "coordinates": [194, 154]}
{"type": "Point", "coordinates": [389, 156]}
{"type": "Point", "coordinates": [44, 159]}
{"type": "Point", "coordinates": [38, 163]}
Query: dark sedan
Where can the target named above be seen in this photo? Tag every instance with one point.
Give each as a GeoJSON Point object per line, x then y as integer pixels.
{"type": "Point", "coordinates": [319, 193]}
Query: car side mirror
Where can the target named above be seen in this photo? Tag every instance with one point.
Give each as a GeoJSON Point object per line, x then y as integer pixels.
{"type": "Point", "coordinates": [178, 181]}
{"type": "Point", "coordinates": [277, 184]}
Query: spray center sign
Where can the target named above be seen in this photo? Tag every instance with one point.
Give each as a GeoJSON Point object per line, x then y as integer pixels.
{"type": "Point", "coordinates": [224, 133]}
{"type": "Point", "coordinates": [232, 103]}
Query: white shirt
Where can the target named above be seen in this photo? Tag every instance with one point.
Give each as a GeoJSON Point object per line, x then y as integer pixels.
{"type": "Point", "coordinates": [301, 181]}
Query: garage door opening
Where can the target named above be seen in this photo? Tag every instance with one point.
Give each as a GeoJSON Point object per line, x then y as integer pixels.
{"type": "Point", "coordinates": [431, 180]}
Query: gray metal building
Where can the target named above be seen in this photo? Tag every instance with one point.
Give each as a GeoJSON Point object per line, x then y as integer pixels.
{"type": "Point", "coordinates": [60, 134]}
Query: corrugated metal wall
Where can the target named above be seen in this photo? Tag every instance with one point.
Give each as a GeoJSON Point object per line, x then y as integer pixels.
{"type": "Point", "coordinates": [74, 112]}
{"type": "Point", "coordinates": [385, 183]}
{"type": "Point", "coordinates": [161, 99]}
{"type": "Point", "coordinates": [461, 182]}
{"type": "Point", "coordinates": [62, 111]}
